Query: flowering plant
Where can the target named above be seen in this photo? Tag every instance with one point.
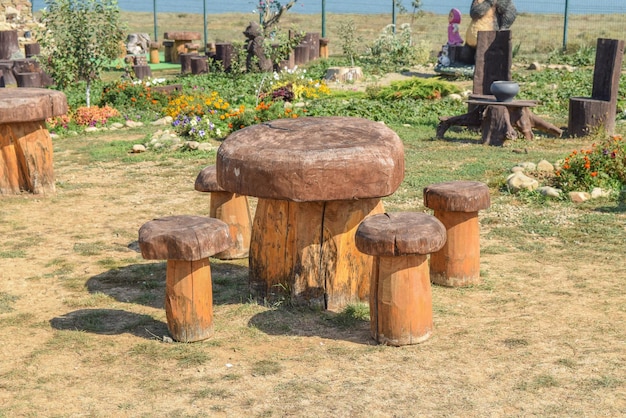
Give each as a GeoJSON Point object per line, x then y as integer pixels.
{"type": "Point", "coordinates": [200, 128]}
{"type": "Point", "coordinates": [294, 84]}
{"type": "Point", "coordinates": [133, 93]}
{"type": "Point", "coordinates": [603, 165]}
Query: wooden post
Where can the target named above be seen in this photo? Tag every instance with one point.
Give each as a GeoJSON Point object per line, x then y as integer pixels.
{"type": "Point", "coordinates": [199, 65]}
{"type": "Point", "coordinates": [9, 46]}
{"type": "Point", "coordinates": [224, 54]}
{"type": "Point", "coordinates": [456, 205]}
{"type": "Point", "coordinates": [142, 71]}
{"type": "Point", "coordinates": [167, 50]}
{"type": "Point", "coordinates": [185, 62]}
{"type": "Point", "coordinates": [154, 52]}
{"type": "Point", "coordinates": [32, 50]}
{"type": "Point", "coordinates": [324, 47]}
{"type": "Point", "coordinates": [301, 54]}
{"type": "Point", "coordinates": [313, 42]}
{"type": "Point", "coordinates": [189, 300]}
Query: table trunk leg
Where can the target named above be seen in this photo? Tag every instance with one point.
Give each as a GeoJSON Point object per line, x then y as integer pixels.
{"type": "Point", "coordinates": [305, 251]}
{"type": "Point", "coordinates": [26, 157]}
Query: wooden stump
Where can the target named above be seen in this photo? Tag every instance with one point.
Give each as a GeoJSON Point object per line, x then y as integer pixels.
{"type": "Point", "coordinates": [232, 209]}
{"type": "Point", "coordinates": [9, 46]}
{"type": "Point", "coordinates": [305, 251]}
{"type": "Point", "coordinates": [32, 50]}
{"type": "Point", "coordinates": [224, 54]}
{"type": "Point", "coordinates": [186, 242]}
{"type": "Point", "coordinates": [154, 52]}
{"type": "Point", "coordinates": [456, 205]}
{"type": "Point", "coordinates": [324, 47]}
{"type": "Point", "coordinates": [400, 296]}
{"type": "Point", "coordinates": [167, 50]}
{"type": "Point", "coordinates": [28, 79]}
{"type": "Point", "coordinates": [142, 71]}
{"type": "Point", "coordinates": [312, 39]}
{"type": "Point", "coordinates": [301, 54]}
{"type": "Point", "coordinates": [199, 65]}
{"type": "Point", "coordinates": [8, 77]}
{"type": "Point", "coordinates": [185, 62]}
{"type": "Point", "coordinates": [26, 153]}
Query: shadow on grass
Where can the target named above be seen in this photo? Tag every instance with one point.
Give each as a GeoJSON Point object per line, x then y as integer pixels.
{"type": "Point", "coordinates": [618, 208]}
{"type": "Point", "coordinates": [303, 322]}
{"type": "Point", "coordinates": [110, 322]}
{"type": "Point", "coordinates": [144, 284]}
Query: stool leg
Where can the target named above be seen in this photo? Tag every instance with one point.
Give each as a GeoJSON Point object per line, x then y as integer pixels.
{"type": "Point", "coordinates": [401, 313]}
{"type": "Point", "coordinates": [234, 210]}
{"type": "Point", "coordinates": [189, 300]}
{"type": "Point", "coordinates": [458, 262]}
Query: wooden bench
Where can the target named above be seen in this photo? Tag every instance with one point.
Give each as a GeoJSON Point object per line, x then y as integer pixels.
{"type": "Point", "coordinates": [186, 242]}
{"type": "Point", "coordinates": [400, 297]}
{"type": "Point", "coordinates": [599, 110]}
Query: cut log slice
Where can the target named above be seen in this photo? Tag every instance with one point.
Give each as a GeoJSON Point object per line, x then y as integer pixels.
{"type": "Point", "coordinates": [403, 233]}
{"type": "Point", "coordinates": [312, 159]}
{"type": "Point", "coordinates": [183, 237]}
{"type": "Point", "coordinates": [207, 180]}
{"type": "Point", "coordinates": [457, 196]}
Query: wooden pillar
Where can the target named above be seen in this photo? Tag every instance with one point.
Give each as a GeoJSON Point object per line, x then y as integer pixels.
{"type": "Point", "coordinates": [313, 41]}
{"type": "Point", "coordinates": [301, 54]}
{"type": "Point", "coordinates": [401, 308]}
{"type": "Point", "coordinates": [185, 62]}
{"type": "Point", "coordinates": [167, 50]}
{"type": "Point", "coordinates": [26, 162]}
{"type": "Point", "coordinates": [9, 46]}
{"type": "Point", "coordinates": [224, 54]}
{"type": "Point", "coordinates": [154, 52]}
{"type": "Point", "coordinates": [189, 300]}
{"type": "Point", "coordinates": [199, 65]}
{"type": "Point", "coordinates": [32, 50]}
{"type": "Point", "coordinates": [323, 47]}
{"type": "Point", "coordinates": [306, 251]}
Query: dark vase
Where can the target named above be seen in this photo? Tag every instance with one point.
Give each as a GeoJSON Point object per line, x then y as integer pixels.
{"type": "Point", "coordinates": [504, 91]}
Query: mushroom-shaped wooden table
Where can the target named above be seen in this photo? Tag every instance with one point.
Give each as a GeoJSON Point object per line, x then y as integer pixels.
{"type": "Point", "coordinates": [316, 180]}
{"type": "Point", "coordinates": [25, 144]}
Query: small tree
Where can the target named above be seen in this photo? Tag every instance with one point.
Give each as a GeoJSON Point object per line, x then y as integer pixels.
{"type": "Point", "coordinates": [270, 12]}
{"type": "Point", "coordinates": [79, 39]}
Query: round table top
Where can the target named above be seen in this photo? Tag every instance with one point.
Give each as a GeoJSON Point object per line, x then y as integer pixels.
{"type": "Point", "coordinates": [30, 104]}
{"type": "Point", "coordinates": [312, 159]}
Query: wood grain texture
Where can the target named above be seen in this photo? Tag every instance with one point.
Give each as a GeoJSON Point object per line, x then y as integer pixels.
{"type": "Point", "coordinates": [305, 251]}
{"type": "Point", "coordinates": [183, 237]}
{"type": "Point", "coordinates": [312, 159]}
{"type": "Point", "coordinates": [234, 211]}
{"type": "Point", "coordinates": [400, 233]}
{"type": "Point", "coordinates": [401, 313]}
{"type": "Point", "coordinates": [30, 105]}
{"type": "Point", "coordinates": [189, 300]}
{"type": "Point", "coordinates": [457, 196]}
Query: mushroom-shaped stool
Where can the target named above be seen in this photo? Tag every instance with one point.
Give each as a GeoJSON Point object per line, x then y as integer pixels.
{"type": "Point", "coordinates": [400, 297]}
{"type": "Point", "coordinates": [186, 242]}
{"type": "Point", "coordinates": [316, 179]}
{"type": "Point", "coordinates": [456, 205]}
{"type": "Point", "coordinates": [231, 208]}
{"type": "Point", "coordinates": [26, 162]}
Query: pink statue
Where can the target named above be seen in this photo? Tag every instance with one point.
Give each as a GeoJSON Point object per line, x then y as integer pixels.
{"type": "Point", "coordinates": [454, 19]}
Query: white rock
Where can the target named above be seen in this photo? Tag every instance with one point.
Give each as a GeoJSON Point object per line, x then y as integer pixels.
{"type": "Point", "coordinates": [520, 181]}
{"type": "Point", "coordinates": [579, 197]}
{"type": "Point", "coordinates": [137, 148]}
{"type": "Point", "coordinates": [535, 66]}
{"type": "Point", "coordinates": [91, 129]}
{"type": "Point", "coordinates": [549, 191]}
{"type": "Point", "coordinates": [598, 192]}
{"type": "Point", "coordinates": [528, 166]}
{"type": "Point", "coordinates": [192, 144]}
{"type": "Point", "coordinates": [167, 120]}
{"type": "Point", "coordinates": [455, 96]}
{"type": "Point", "coordinates": [545, 166]}
{"type": "Point", "coordinates": [117, 125]}
{"type": "Point", "coordinates": [205, 146]}
{"type": "Point", "coordinates": [133, 124]}
{"type": "Point", "coordinates": [517, 169]}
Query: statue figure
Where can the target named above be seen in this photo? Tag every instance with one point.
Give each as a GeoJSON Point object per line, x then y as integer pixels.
{"type": "Point", "coordinates": [454, 20]}
{"type": "Point", "coordinates": [489, 15]}
{"type": "Point", "coordinates": [254, 48]}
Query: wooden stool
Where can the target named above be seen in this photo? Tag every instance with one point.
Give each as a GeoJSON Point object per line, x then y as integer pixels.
{"type": "Point", "coordinates": [186, 242]}
{"type": "Point", "coordinates": [154, 52]}
{"type": "Point", "coordinates": [456, 205]}
{"type": "Point", "coordinates": [400, 295]}
{"type": "Point", "coordinates": [230, 208]}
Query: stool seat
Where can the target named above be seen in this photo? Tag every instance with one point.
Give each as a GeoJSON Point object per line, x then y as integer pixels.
{"type": "Point", "coordinates": [403, 233]}
{"type": "Point", "coordinates": [183, 237]}
{"type": "Point", "coordinates": [457, 196]}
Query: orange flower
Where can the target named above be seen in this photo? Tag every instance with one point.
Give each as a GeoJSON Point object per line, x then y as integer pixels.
{"type": "Point", "coordinates": [594, 173]}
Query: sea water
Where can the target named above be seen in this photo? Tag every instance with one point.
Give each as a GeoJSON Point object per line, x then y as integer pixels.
{"type": "Point", "coordinates": [361, 6]}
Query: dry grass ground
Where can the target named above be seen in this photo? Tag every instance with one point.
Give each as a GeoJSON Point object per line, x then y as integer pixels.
{"type": "Point", "coordinates": [81, 313]}
{"type": "Point", "coordinates": [533, 35]}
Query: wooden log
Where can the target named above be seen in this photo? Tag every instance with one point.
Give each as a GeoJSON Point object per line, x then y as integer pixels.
{"type": "Point", "coordinates": [494, 57]}
{"type": "Point", "coordinates": [167, 50]}
{"type": "Point", "coordinates": [232, 209]}
{"type": "Point", "coordinates": [224, 54]}
{"type": "Point", "coordinates": [456, 205]}
{"type": "Point", "coordinates": [324, 48]}
{"type": "Point", "coordinates": [587, 115]}
{"type": "Point", "coordinates": [185, 62]}
{"type": "Point", "coordinates": [32, 49]}
{"type": "Point", "coordinates": [154, 52]}
{"type": "Point", "coordinates": [26, 158]}
{"type": "Point", "coordinates": [403, 312]}
{"type": "Point", "coordinates": [301, 54]}
{"type": "Point", "coordinates": [496, 126]}
{"type": "Point", "coordinates": [312, 39]}
{"type": "Point", "coordinates": [7, 73]}
{"type": "Point", "coordinates": [199, 65]}
{"type": "Point", "coordinates": [142, 71]}
{"type": "Point", "coordinates": [9, 46]}
{"type": "Point", "coordinates": [189, 300]}
{"type": "Point", "coordinates": [305, 251]}
{"type": "Point", "coordinates": [28, 79]}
